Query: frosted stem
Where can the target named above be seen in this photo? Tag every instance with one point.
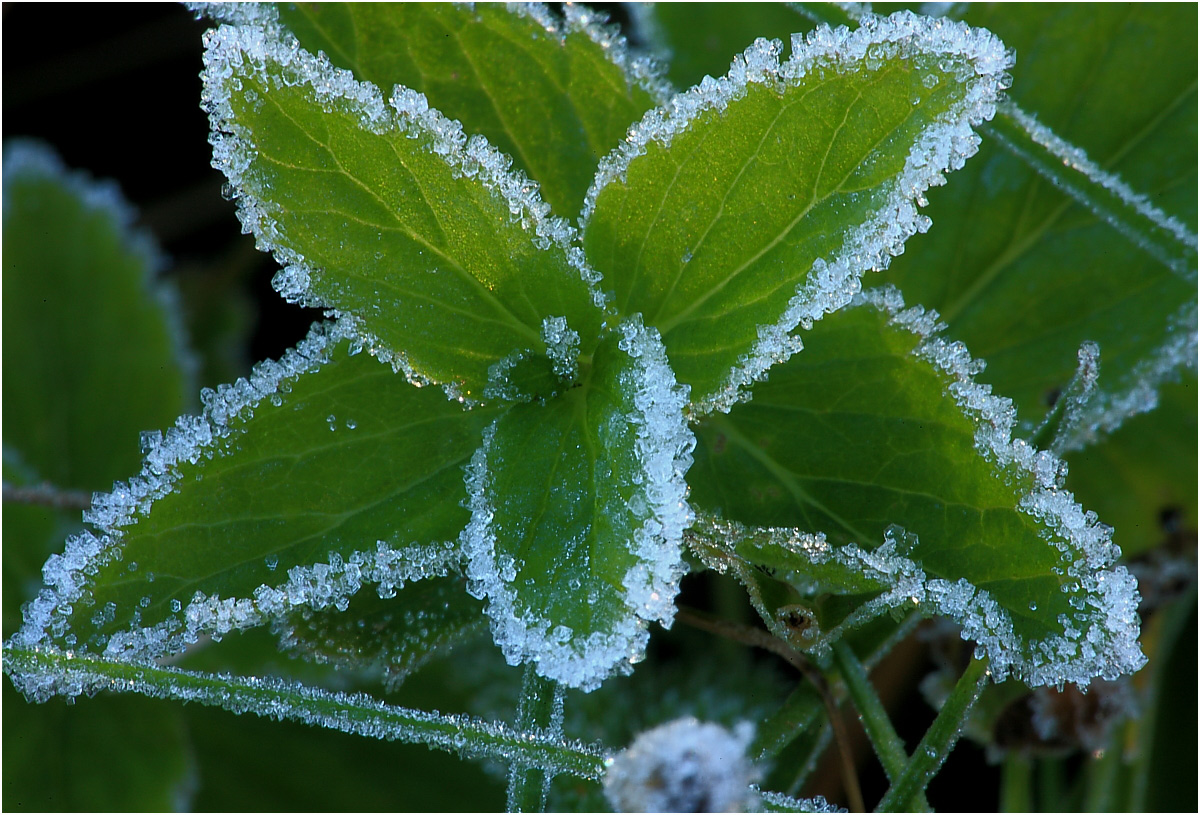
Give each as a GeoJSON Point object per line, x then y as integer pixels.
{"type": "Point", "coordinates": [832, 14]}
{"type": "Point", "coordinates": [47, 495]}
{"type": "Point", "coordinates": [1016, 784]}
{"type": "Point", "coordinates": [540, 710]}
{"type": "Point", "coordinates": [938, 740]}
{"type": "Point", "coordinates": [1103, 193]}
{"type": "Point", "coordinates": [874, 718]}
{"type": "Point", "coordinates": [41, 673]}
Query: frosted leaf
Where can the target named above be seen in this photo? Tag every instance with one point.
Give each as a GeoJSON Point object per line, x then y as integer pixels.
{"type": "Point", "coordinates": [1101, 640]}
{"type": "Point", "coordinates": [684, 766]}
{"type": "Point", "coordinates": [978, 61]}
{"type": "Point", "coordinates": [1095, 636]}
{"type": "Point", "coordinates": [26, 159]}
{"type": "Point", "coordinates": [639, 69]}
{"type": "Point", "coordinates": [272, 58]}
{"type": "Point", "coordinates": [376, 634]}
{"type": "Point", "coordinates": [619, 509]}
{"type": "Point", "coordinates": [68, 575]}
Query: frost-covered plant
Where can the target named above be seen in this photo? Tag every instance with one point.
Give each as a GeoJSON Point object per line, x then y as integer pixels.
{"type": "Point", "coordinates": [588, 335]}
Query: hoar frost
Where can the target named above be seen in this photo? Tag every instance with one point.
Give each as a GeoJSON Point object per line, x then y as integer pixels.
{"type": "Point", "coordinates": [274, 58]}
{"type": "Point", "coordinates": [68, 575]}
{"type": "Point", "coordinates": [663, 450]}
{"type": "Point", "coordinates": [684, 766]}
{"type": "Point", "coordinates": [978, 60]}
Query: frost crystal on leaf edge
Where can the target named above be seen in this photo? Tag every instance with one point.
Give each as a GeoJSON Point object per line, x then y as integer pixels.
{"type": "Point", "coordinates": [256, 48]}
{"type": "Point", "coordinates": [942, 147]}
{"type": "Point", "coordinates": [664, 450]}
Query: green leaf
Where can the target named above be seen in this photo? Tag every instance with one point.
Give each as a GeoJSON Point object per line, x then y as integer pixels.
{"type": "Point", "coordinates": [698, 39]}
{"type": "Point", "coordinates": [396, 635]}
{"type": "Point", "coordinates": [249, 764]}
{"type": "Point", "coordinates": [329, 472]}
{"type": "Point", "coordinates": [1021, 272]}
{"type": "Point", "coordinates": [579, 87]}
{"type": "Point", "coordinates": [387, 212]}
{"type": "Point", "coordinates": [117, 754]}
{"type": "Point", "coordinates": [93, 350]}
{"type": "Point", "coordinates": [753, 204]}
{"type": "Point", "coordinates": [1142, 478]}
{"type": "Point", "coordinates": [577, 512]}
{"type": "Point", "coordinates": [878, 423]}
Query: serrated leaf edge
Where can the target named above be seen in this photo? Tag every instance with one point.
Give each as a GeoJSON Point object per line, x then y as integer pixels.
{"type": "Point", "coordinates": [1108, 598]}
{"type": "Point", "coordinates": [664, 449]}
{"type": "Point", "coordinates": [68, 576]}
{"type": "Point", "coordinates": [943, 146]}
{"type": "Point", "coordinates": [251, 48]}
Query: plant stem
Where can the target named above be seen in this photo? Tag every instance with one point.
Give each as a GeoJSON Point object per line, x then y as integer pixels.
{"type": "Point", "coordinates": [1016, 784]}
{"type": "Point", "coordinates": [763, 639]}
{"type": "Point", "coordinates": [1102, 771]}
{"type": "Point", "coordinates": [41, 673]}
{"type": "Point", "coordinates": [540, 710]}
{"type": "Point", "coordinates": [938, 740]}
{"type": "Point", "coordinates": [47, 495]}
{"type": "Point", "coordinates": [875, 720]}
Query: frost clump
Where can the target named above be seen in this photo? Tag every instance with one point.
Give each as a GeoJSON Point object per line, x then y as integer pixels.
{"type": "Point", "coordinates": [684, 766]}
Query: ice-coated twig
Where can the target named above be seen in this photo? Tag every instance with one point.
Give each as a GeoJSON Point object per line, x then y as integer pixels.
{"type": "Point", "coordinates": [41, 673]}
{"type": "Point", "coordinates": [982, 63]}
{"type": "Point", "coordinates": [540, 710]}
{"type": "Point", "coordinates": [1103, 193]}
{"type": "Point", "coordinates": [46, 495]}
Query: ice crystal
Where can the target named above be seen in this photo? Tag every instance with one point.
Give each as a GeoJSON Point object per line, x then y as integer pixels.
{"type": "Point", "coordinates": [663, 448]}
{"type": "Point", "coordinates": [684, 766]}
{"type": "Point", "coordinates": [979, 60]}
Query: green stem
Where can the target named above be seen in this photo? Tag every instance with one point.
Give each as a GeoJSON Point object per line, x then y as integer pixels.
{"type": "Point", "coordinates": [1016, 784]}
{"type": "Point", "coordinates": [938, 740]}
{"type": "Point", "coordinates": [1052, 789]}
{"type": "Point", "coordinates": [874, 717]}
{"type": "Point", "coordinates": [41, 673]}
{"type": "Point", "coordinates": [1100, 792]}
{"type": "Point", "coordinates": [539, 711]}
